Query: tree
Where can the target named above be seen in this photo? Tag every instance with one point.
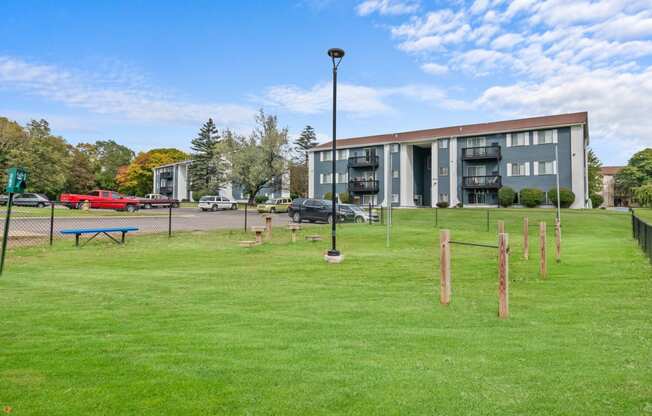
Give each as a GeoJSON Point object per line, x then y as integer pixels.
{"type": "Point", "coordinates": [298, 179]}
{"type": "Point", "coordinates": [257, 160]}
{"type": "Point", "coordinates": [12, 136]}
{"type": "Point", "coordinates": [637, 172]}
{"type": "Point", "coordinates": [208, 171]}
{"type": "Point", "coordinates": [106, 157]}
{"type": "Point", "coordinates": [595, 177]}
{"type": "Point", "coordinates": [643, 195]}
{"type": "Point", "coordinates": [136, 178]}
{"type": "Point", "coordinates": [81, 177]}
{"type": "Point", "coordinates": [306, 141]}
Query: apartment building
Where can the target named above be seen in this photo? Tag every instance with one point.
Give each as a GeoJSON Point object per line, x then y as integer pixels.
{"type": "Point", "coordinates": [464, 164]}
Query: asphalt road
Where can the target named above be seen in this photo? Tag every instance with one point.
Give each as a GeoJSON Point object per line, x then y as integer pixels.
{"type": "Point", "coordinates": [29, 231]}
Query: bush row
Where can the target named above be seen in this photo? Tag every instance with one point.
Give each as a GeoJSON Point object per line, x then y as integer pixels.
{"type": "Point", "coordinates": [532, 197]}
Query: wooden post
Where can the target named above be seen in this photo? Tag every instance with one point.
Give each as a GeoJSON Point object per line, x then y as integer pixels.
{"type": "Point", "coordinates": [268, 225]}
{"type": "Point", "coordinates": [557, 240]}
{"type": "Point", "coordinates": [259, 233]}
{"type": "Point", "coordinates": [543, 268]}
{"type": "Point", "coordinates": [501, 227]}
{"type": "Point", "coordinates": [503, 276]}
{"type": "Point", "coordinates": [526, 238]}
{"type": "Point", "coordinates": [444, 267]}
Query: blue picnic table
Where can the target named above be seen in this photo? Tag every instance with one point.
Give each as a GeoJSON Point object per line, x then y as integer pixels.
{"type": "Point", "coordinates": [97, 231]}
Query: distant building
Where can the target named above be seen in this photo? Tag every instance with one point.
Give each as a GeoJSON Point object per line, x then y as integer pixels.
{"type": "Point", "coordinates": [173, 180]}
{"type": "Point", "coordinates": [457, 165]}
{"type": "Point", "coordinates": [612, 197]}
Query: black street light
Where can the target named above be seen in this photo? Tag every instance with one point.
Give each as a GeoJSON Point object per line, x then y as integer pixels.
{"type": "Point", "coordinates": [336, 55]}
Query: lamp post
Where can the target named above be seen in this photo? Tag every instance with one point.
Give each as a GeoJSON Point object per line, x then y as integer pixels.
{"type": "Point", "coordinates": [336, 55]}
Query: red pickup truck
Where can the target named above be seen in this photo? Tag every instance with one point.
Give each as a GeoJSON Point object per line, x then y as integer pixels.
{"type": "Point", "coordinates": [101, 199]}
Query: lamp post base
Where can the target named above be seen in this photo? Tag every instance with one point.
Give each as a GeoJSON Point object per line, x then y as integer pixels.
{"type": "Point", "coordinates": [333, 256]}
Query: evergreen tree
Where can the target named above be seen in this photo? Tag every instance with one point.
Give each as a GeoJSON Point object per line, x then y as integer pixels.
{"type": "Point", "coordinates": [207, 168]}
{"type": "Point", "coordinates": [306, 141]}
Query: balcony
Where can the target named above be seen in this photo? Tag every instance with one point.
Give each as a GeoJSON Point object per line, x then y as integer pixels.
{"type": "Point", "coordinates": [166, 190]}
{"type": "Point", "coordinates": [482, 182]}
{"type": "Point", "coordinates": [363, 186]}
{"type": "Point", "coordinates": [479, 153]}
{"type": "Point", "coordinates": [367, 161]}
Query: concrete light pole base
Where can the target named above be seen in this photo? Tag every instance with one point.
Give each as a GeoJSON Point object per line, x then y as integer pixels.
{"type": "Point", "coordinates": [333, 259]}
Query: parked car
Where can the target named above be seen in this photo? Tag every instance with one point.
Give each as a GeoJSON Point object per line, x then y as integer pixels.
{"type": "Point", "coordinates": [27, 200]}
{"type": "Point", "coordinates": [213, 203]}
{"type": "Point", "coordinates": [355, 213]}
{"type": "Point", "coordinates": [312, 210]}
{"type": "Point", "coordinates": [275, 205]}
{"type": "Point", "coordinates": [101, 199]}
{"type": "Point", "coordinates": [157, 200]}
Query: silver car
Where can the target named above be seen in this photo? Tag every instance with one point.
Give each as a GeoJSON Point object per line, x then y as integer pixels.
{"type": "Point", "coordinates": [27, 200]}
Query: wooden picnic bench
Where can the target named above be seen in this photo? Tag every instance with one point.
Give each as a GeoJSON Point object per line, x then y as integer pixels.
{"type": "Point", "coordinates": [78, 232]}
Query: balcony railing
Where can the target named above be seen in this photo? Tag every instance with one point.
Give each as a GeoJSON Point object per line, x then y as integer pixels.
{"type": "Point", "coordinates": [489, 182]}
{"type": "Point", "coordinates": [363, 186]}
{"type": "Point", "coordinates": [484, 152]}
{"type": "Point", "coordinates": [367, 161]}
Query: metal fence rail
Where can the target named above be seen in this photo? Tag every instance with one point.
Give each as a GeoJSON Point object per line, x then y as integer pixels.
{"type": "Point", "coordinates": [642, 232]}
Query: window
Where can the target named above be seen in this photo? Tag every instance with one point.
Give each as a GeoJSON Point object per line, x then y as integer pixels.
{"type": "Point", "coordinates": [394, 148]}
{"type": "Point", "coordinates": [476, 170]}
{"type": "Point", "coordinates": [443, 143]}
{"type": "Point", "coordinates": [545, 168]}
{"type": "Point", "coordinates": [443, 197]}
{"type": "Point", "coordinates": [325, 178]}
{"type": "Point", "coordinates": [395, 173]}
{"type": "Point", "coordinates": [342, 154]}
{"type": "Point", "coordinates": [521, 139]}
{"type": "Point", "coordinates": [546, 137]}
{"type": "Point", "coordinates": [518, 169]}
{"type": "Point", "coordinates": [326, 156]}
{"type": "Point", "coordinates": [476, 142]}
{"type": "Point", "coordinates": [342, 177]}
{"type": "Point", "coordinates": [443, 171]}
{"type": "Point", "coordinates": [395, 198]}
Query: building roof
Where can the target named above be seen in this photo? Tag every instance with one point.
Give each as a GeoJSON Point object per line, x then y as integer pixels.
{"type": "Point", "coordinates": [182, 162]}
{"type": "Point", "coordinates": [610, 170]}
{"type": "Point", "coordinates": [559, 120]}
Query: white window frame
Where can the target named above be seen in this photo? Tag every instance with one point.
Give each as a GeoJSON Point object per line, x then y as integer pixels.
{"type": "Point", "coordinates": [443, 197]}
{"type": "Point", "coordinates": [443, 171]}
{"type": "Point", "coordinates": [326, 156]}
{"type": "Point", "coordinates": [342, 177]}
{"type": "Point", "coordinates": [443, 143]}
{"type": "Point", "coordinates": [476, 141]}
{"type": "Point", "coordinates": [394, 148]}
{"type": "Point", "coordinates": [523, 168]}
{"type": "Point", "coordinates": [521, 139]}
{"type": "Point", "coordinates": [396, 173]}
{"type": "Point", "coordinates": [342, 154]}
{"type": "Point", "coordinates": [396, 199]}
{"type": "Point", "coordinates": [539, 164]}
{"type": "Point", "coordinates": [325, 178]}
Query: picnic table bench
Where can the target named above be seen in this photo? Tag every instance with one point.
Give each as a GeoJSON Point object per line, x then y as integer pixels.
{"type": "Point", "coordinates": [97, 231]}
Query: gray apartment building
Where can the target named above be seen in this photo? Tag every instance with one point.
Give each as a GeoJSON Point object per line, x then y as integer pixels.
{"type": "Point", "coordinates": [173, 180]}
{"type": "Point", "coordinates": [460, 164]}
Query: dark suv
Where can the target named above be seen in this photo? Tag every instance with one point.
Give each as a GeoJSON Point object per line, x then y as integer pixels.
{"type": "Point", "coordinates": [312, 210]}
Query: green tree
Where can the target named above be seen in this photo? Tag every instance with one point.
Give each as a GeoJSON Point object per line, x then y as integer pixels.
{"type": "Point", "coordinates": [81, 177]}
{"type": "Point", "coordinates": [12, 137]}
{"type": "Point", "coordinates": [298, 179]}
{"type": "Point", "coordinates": [106, 158]}
{"type": "Point", "coordinates": [207, 171]}
{"type": "Point", "coordinates": [637, 172]}
{"type": "Point", "coordinates": [136, 178]}
{"type": "Point", "coordinates": [595, 177]}
{"type": "Point", "coordinates": [643, 195]}
{"type": "Point", "coordinates": [256, 160]}
{"type": "Point", "coordinates": [306, 141]}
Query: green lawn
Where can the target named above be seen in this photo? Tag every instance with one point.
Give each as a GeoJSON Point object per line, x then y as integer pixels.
{"type": "Point", "coordinates": [197, 325]}
{"type": "Point", "coordinates": [645, 214]}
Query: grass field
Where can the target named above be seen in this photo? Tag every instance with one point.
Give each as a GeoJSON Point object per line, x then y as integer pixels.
{"type": "Point", "coordinates": [197, 325]}
{"type": "Point", "coordinates": [645, 214]}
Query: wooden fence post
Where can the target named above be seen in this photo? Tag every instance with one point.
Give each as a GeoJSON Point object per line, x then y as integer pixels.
{"type": "Point", "coordinates": [503, 276]}
{"type": "Point", "coordinates": [444, 267]}
{"type": "Point", "coordinates": [543, 268]}
{"type": "Point", "coordinates": [501, 227]}
{"type": "Point", "coordinates": [557, 240]}
{"type": "Point", "coordinates": [526, 239]}
{"type": "Point", "coordinates": [268, 226]}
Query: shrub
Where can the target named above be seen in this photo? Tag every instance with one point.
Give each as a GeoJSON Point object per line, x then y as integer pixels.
{"type": "Point", "coordinates": [531, 197]}
{"type": "Point", "coordinates": [566, 196]}
{"type": "Point", "coordinates": [294, 195]}
{"type": "Point", "coordinates": [506, 196]}
{"type": "Point", "coordinates": [328, 196]}
{"type": "Point", "coordinates": [260, 199]}
{"type": "Point", "coordinates": [596, 200]}
{"type": "Point", "coordinates": [345, 198]}
{"type": "Point", "coordinates": [443, 204]}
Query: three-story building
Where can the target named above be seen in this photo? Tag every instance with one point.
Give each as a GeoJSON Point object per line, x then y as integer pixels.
{"type": "Point", "coordinates": [461, 164]}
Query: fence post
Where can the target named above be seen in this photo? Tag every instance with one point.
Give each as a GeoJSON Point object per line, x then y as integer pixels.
{"type": "Point", "coordinates": [52, 222]}
{"type": "Point", "coordinates": [5, 237]}
{"type": "Point", "coordinates": [268, 226]}
{"type": "Point", "coordinates": [245, 222]}
{"type": "Point", "coordinates": [503, 276]}
{"type": "Point", "coordinates": [526, 239]}
{"type": "Point", "coordinates": [382, 217]}
{"type": "Point", "coordinates": [501, 227]}
{"type": "Point", "coordinates": [444, 267]}
{"type": "Point", "coordinates": [557, 240]}
{"type": "Point", "coordinates": [370, 217]}
{"type": "Point", "coordinates": [170, 221]}
{"type": "Point", "coordinates": [543, 267]}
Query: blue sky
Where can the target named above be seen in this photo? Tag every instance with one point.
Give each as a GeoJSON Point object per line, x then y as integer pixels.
{"type": "Point", "coordinates": [147, 74]}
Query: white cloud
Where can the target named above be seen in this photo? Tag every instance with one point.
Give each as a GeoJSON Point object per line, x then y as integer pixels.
{"type": "Point", "coordinates": [112, 94]}
{"type": "Point", "coordinates": [624, 26]}
{"type": "Point", "coordinates": [433, 68]}
{"type": "Point", "coordinates": [387, 7]}
{"type": "Point", "coordinates": [507, 41]}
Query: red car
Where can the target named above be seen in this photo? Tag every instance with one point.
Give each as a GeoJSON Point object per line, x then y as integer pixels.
{"type": "Point", "coordinates": [101, 199]}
